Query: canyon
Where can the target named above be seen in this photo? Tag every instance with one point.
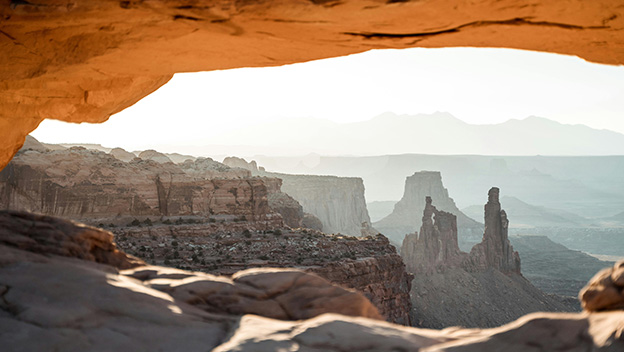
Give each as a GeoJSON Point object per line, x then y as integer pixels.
{"type": "Point", "coordinates": [171, 214]}
{"type": "Point", "coordinates": [482, 288]}
{"type": "Point", "coordinates": [69, 61]}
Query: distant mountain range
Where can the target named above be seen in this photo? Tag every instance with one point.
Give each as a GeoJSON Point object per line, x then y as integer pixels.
{"type": "Point", "coordinates": [438, 133]}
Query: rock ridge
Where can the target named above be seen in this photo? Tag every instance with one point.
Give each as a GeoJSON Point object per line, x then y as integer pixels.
{"type": "Point", "coordinates": [369, 265]}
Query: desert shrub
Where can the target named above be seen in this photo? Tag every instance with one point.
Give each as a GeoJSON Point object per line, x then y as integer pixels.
{"type": "Point", "coordinates": [277, 232]}
{"type": "Point", "coordinates": [167, 222]}
{"type": "Point", "coordinates": [135, 222]}
{"type": "Point", "coordinates": [263, 257]}
{"type": "Point", "coordinates": [147, 222]}
{"type": "Point", "coordinates": [247, 233]}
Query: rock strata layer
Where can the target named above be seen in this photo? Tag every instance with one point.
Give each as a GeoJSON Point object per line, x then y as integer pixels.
{"type": "Point", "coordinates": [338, 202]}
{"type": "Point", "coordinates": [66, 301]}
{"type": "Point", "coordinates": [96, 187]}
{"type": "Point", "coordinates": [369, 265]}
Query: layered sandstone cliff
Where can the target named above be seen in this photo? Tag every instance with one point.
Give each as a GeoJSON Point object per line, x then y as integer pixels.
{"type": "Point", "coordinates": [94, 186]}
{"type": "Point", "coordinates": [418, 186]}
{"type": "Point", "coordinates": [483, 288]}
{"type": "Point", "coordinates": [369, 265]}
{"type": "Point", "coordinates": [58, 278]}
{"type": "Point", "coordinates": [338, 202]}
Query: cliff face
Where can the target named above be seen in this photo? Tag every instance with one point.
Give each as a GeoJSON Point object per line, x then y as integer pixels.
{"type": "Point", "coordinates": [86, 184]}
{"type": "Point", "coordinates": [485, 286]}
{"type": "Point", "coordinates": [338, 202]}
{"type": "Point", "coordinates": [285, 205]}
{"type": "Point", "coordinates": [369, 265]}
{"type": "Point", "coordinates": [418, 186]}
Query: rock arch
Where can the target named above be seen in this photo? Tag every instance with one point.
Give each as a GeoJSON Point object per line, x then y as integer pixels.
{"type": "Point", "coordinates": [81, 61]}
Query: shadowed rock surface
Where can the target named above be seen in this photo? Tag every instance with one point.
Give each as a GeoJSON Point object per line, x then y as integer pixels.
{"type": "Point", "coordinates": [495, 251]}
{"type": "Point", "coordinates": [483, 288]}
{"type": "Point", "coordinates": [338, 202]}
{"type": "Point", "coordinates": [605, 291]}
{"type": "Point", "coordinates": [418, 186]}
{"type": "Point", "coordinates": [62, 302]}
{"type": "Point", "coordinates": [369, 265]}
{"type": "Point", "coordinates": [68, 61]}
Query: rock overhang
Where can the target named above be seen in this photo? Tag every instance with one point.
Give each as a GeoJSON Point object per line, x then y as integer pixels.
{"type": "Point", "coordinates": [81, 61]}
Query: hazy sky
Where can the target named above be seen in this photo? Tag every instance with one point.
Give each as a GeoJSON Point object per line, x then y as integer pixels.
{"type": "Point", "coordinates": [481, 86]}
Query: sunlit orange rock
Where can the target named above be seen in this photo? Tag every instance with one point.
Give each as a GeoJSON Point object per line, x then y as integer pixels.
{"type": "Point", "coordinates": [81, 61]}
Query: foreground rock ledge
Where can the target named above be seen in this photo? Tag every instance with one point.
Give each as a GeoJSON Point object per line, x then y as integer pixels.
{"type": "Point", "coordinates": [61, 289]}
{"type": "Point", "coordinates": [81, 61]}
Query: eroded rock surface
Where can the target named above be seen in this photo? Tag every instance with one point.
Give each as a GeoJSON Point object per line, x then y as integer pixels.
{"type": "Point", "coordinates": [66, 301]}
{"type": "Point", "coordinates": [605, 291]}
{"type": "Point", "coordinates": [417, 187]}
{"type": "Point", "coordinates": [369, 265]}
{"type": "Point", "coordinates": [70, 61]}
{"type": "Point", "coordinates": [338, 202]}
{"type": "Point", "coordinates": [436, 246]}
{"type": "Point", "coordinates": [495, 250]}
{"type": "Point", "coordinates": [97, 187]}
{"type": "Point", "coordinates": [484, 287]}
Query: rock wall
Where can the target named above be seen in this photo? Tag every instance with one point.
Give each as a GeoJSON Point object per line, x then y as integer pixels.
{"type": "Point", "coordinates": [285, 205]}
{"type": "Point", "coordinates": [338, 202]}
{"type": "Point", "coordinates": [85, 184]}
{"type": "Point", "coordinates": [57, 278]}
{"type": "Point", "coordinates": [369, 265]}
{"type": "Point", "coordinates": [418, 186]}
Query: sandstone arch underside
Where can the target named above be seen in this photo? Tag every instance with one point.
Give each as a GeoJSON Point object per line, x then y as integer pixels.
{"type": "Point", "coordinates": [81, 61]}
